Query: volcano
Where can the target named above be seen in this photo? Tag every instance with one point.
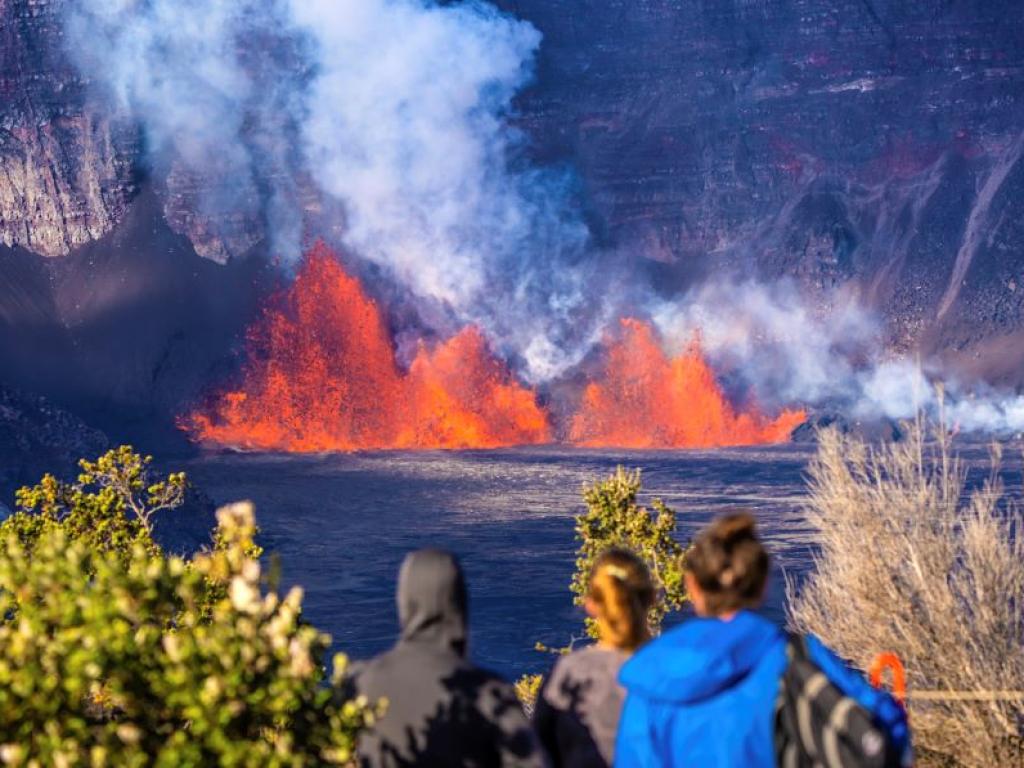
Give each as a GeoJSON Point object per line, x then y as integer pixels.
{"type": "Point", "coordinates": [856, 149]}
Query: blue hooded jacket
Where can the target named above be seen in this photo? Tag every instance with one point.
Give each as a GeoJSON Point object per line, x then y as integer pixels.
{"type": "Point", "coordinates": [703, 694]}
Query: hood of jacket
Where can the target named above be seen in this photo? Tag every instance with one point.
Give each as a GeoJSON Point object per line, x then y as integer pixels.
{"type": "Point", "coordinates": [701, 658]}
{"type": "Point", "coordinates": [432, 600]}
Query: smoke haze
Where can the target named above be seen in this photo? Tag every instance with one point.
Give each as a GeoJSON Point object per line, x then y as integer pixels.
{"type": "Point", "coordinates": [772, 345]}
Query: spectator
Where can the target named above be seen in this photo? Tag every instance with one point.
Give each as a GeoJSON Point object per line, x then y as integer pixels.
{"type": "Point", "coordinates": [577, 712]}
{"type": "Point", "coordinates": [704, 694]}
{"type": "Point", "coordinates": [441, 709]}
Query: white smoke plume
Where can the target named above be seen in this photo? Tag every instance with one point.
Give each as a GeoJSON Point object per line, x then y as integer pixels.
{"type": "Point", "coordinates": [899, 389]}
{"type": "Point", "coordinates": [785, 353]}
{"type": "Point", "coordinates": [207, 102]}
{"type": "Point", "coordinates": [767, 335]}
{"type": "Point", "coordinates": [398, 110]}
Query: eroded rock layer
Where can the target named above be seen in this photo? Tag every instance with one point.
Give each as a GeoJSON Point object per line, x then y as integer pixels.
{"type": "Point", "coordinates": [66, 168]}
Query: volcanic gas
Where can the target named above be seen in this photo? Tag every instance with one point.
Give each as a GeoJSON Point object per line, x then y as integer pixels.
{"type": "Point", "coordinates": [321, 374]}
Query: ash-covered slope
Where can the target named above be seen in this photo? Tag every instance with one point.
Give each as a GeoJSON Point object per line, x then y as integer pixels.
{"type": "Point", "coordinates": [126, 330]}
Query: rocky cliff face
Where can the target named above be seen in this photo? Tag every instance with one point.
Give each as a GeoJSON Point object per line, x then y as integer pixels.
{"type": "Point", "coordinates": [870, 146]}
{"type": "Point", "coordinates": [66, 170]}
{"type": "Point", "coordinates": [862, 143]}
{"type": "Point", "coordinates": [219, 238]}
{"type": "Point", "coordinates": [69, 165]}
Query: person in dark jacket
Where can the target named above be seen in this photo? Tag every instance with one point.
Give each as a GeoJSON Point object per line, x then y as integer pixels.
{"type": "Point", "coordinates": [577, 711]}
{"type": "Point", "coordinates": [442, 710]}
{"type": "Point", "coordinates": [703, 694]}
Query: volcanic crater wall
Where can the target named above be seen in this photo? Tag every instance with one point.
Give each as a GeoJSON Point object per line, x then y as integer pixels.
{"type": "Point", "coordinates": [870, 146]}
{"type": "Point", "coordinates": [66, 170]}
{"type": "Point", "coordinates": [70, 164]}
{"type": "Point", "coordinates": [867, 143]}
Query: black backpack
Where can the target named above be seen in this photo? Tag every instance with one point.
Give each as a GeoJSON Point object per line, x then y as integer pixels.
{"type": "Point", "coordinates": [818, 726]}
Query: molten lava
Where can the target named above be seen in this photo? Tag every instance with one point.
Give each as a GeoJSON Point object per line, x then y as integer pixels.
{"type": "Point", "coordinates": [647, 400]}
{"type": "Point", "coordinates": [321, 375]}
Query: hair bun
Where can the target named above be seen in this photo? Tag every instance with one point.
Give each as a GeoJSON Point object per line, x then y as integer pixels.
{"type": "Point", "coordinates": [736, 528]}
{"type": "Point", "coordinates": [728, 563]}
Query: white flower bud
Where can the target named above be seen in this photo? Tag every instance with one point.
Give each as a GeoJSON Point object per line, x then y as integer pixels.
{"type": "Point", "coordinates": [244, 596]}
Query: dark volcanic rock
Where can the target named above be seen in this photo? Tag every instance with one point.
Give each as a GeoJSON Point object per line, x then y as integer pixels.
{"type": "Point", "coordinates": [128, 330]}
{"type": "Point", "coordinates": [808, 431]}
{"type": "Point", "coordinates": [37, 437]}
{"type": "Point", "coordinates": [872, 430]}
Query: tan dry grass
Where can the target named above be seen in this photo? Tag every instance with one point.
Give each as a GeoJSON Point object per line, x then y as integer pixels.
{"type": "Point", "coordinates": [912, 563]}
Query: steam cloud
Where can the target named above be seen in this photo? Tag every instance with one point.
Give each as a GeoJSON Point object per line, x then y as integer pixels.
{"type": "Point", "coordinates": [395, 109]}
{"type": "Point", "coordinates": [397, 112]}
{"type": "Point", "coordinates": [768, 340]}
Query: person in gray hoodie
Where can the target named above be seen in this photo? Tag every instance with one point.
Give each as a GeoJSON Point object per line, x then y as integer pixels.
{"type": "Point", "coordinates": [442, 710]}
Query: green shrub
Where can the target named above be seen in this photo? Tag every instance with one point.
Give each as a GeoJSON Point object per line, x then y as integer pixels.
{"type": "Point", "coordinates": [113, 654]}
{"type": "Point", "coordinates": [111, 505]}
{"type": "Point", "coordinates": [614, 519]}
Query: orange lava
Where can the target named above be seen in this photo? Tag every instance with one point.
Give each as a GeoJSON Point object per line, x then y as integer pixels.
{"type": "Point", "coordinates": [322, 376]}
{"type": "Point", "coordinates": [647, 400]}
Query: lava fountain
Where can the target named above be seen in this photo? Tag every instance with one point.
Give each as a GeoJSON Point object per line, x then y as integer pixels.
{"type": "Point", "coordinates": [321, 375]}
{"type": "Point", "coordinates": [647, 400]}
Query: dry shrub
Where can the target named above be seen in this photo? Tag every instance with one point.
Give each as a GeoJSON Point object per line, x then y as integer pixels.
{"type": "Point", "coordinates": [912, 562]}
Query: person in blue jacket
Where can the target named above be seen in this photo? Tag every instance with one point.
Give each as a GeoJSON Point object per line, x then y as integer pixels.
{"type": "Point", "coordinates": [703, 694]}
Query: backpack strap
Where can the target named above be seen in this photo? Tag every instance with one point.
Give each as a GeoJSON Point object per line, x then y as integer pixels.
{"type": "Point", "coordinates": [789, 751]}
{"type": "Point", "coordinates": [796, 646]}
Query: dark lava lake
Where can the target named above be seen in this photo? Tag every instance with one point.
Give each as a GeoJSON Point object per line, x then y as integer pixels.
{"type": "Point", "coordinates": [342, 523]}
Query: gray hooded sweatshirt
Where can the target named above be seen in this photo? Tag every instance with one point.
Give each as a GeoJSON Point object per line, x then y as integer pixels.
{"type": "Point", "coordinates": [442, 710]}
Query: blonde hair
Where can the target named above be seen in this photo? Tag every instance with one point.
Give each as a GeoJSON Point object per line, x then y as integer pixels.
{"type": "Point", "coordinates": [729, 563]}
{"type": "Point", "coordinates": [622, 592]}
